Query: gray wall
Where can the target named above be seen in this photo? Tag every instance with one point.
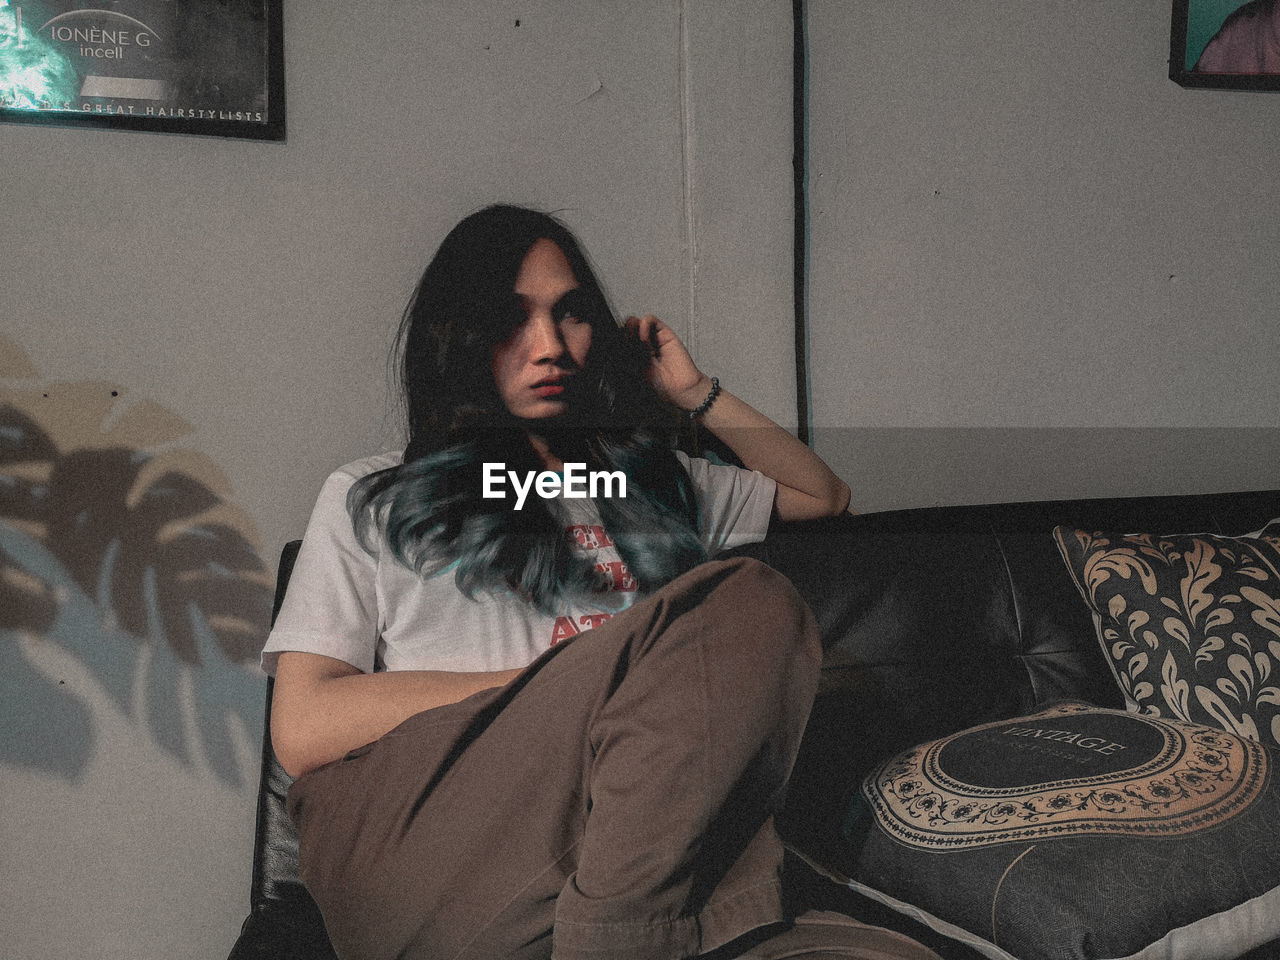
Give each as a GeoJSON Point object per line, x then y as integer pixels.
{"type": "Point", "coordinates": [194, 331]}
{"type": "Point", "coordinates": [1038, 267]}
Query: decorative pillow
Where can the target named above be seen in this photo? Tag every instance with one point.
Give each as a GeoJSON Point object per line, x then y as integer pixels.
{"type": "Point", "coordinates": [1190, 624]}
{"type": "Point", "coordinates": [1077, 832]}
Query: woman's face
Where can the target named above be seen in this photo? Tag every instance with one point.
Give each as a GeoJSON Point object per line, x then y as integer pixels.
{"type": "Point", "coordinates": [533, 366]}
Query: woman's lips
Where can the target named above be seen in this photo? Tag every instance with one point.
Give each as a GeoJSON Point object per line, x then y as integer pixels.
{"type": "Point", "coordinates": [549, 388]}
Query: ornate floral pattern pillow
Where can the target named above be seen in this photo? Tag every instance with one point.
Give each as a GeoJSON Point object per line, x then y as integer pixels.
{"type": "Point", "coordinates": [1190, 624]}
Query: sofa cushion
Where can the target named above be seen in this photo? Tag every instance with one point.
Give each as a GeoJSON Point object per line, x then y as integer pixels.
{"type": "Point", "coordinates": [1190, 624]}
{"type": "Point", "coordinates": [1077, 832]}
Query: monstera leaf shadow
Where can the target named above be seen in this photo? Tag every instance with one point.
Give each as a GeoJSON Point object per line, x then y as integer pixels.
{"type": "Point", "coordinates": [181, 595]}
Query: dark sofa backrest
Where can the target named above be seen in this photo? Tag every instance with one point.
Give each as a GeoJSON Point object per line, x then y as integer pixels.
{"type": "Point", "coordinates": [934, 620]}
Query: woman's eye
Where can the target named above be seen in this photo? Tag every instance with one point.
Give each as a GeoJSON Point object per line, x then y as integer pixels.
{"type": "Point", "coordinates": [571, 308]}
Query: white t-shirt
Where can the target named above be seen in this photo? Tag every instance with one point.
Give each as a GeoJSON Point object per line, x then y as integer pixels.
{"type": "Point", "coordinates": [374, 613]}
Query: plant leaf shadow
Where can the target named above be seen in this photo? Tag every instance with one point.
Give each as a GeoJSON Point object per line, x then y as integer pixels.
{"type": "Point", "coordinates": [131, 562]}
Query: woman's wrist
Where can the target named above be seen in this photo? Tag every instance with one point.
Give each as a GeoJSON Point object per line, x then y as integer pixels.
{"type": "Point", "coordinates": [707, 401]}
{"type": "Point", "coordinates": [693, 397]}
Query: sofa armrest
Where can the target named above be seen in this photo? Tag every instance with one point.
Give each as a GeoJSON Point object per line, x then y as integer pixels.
{"type": "Point", "coordinates": [284, 923]}
{"type": "Point", "coordinates": [283, 930]}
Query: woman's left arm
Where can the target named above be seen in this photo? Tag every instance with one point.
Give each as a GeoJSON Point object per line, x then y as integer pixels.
{"type": "Point", "coordinates": [807, 488]}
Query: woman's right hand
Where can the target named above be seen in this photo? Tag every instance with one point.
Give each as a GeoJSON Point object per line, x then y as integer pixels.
{"type": "Point", "coordinates": [323, 708]}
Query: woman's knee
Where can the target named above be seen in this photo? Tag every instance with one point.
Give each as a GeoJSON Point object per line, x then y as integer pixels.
{"type": "Point", "coordinates": [768, 607]}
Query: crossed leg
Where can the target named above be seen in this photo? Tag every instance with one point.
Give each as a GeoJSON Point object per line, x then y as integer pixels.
{"type": "Point", "coordinates": [612, 802]}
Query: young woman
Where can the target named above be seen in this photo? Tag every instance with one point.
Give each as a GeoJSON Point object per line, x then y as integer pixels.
{"type": "Point", "coordinates": [549, 726]}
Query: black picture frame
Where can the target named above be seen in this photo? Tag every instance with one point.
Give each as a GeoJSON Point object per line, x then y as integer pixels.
{"type": "Point", "coordinates": [1194, 25]}
{"type": "Point", "coordinates": [212, 68]}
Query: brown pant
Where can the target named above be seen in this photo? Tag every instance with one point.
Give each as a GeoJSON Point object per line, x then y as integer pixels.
{"type": "Point", "coordinates": [614, 801]}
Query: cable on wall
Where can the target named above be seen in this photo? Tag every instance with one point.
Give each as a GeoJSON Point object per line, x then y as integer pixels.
{"type": "Point", "coordinates": [800, 181]}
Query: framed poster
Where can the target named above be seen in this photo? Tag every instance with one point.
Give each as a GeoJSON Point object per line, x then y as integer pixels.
{"type": "Point", "coordinates": [211, 67]}
{"type": "Point", "coordinates": [1226, 43]}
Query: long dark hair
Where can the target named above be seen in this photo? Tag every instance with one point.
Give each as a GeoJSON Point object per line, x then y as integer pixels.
{"type": "Point", "coordinates": [430, 510]}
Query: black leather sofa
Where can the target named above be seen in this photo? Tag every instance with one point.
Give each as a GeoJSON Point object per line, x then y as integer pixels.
{"type": "Point", "coordinates": [933, 620]}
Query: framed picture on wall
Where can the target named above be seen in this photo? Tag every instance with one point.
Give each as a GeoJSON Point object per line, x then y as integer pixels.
{"type": "Point", "coordinates": [211, 67]}
{"type": "Point", "coordinates": [1226, 43]}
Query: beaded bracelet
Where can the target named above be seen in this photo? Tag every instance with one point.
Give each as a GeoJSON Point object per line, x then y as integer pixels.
{"type": "Point", "coordinates": [705, 405]}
